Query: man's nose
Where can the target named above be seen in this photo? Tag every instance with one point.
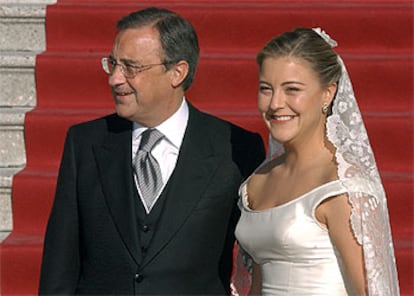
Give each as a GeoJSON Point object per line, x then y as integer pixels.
{"type": "Point", "coordinates": [116, 77]}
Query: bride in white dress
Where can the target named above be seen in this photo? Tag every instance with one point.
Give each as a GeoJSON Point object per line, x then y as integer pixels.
{"type": "Point", "coordinates": [314, 217]}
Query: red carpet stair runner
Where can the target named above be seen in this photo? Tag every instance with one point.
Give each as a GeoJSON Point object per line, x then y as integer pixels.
{"type": "Point", "coordinates": [375, 40]}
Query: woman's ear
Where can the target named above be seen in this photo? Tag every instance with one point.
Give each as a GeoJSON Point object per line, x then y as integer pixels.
{"type": "Point", "coordinates": [178, 73]}
{"type": "Point", "coordinates": [330, 93]}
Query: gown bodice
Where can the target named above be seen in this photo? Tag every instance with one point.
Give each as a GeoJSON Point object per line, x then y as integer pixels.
{"type": "Point", "coordinates": [293, 249]}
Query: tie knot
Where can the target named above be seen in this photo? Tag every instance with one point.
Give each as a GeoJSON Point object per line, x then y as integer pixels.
{"type": "Point", "coordinates": [149, 138]}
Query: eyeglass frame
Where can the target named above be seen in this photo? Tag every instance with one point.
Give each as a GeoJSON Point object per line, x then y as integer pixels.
{"type": "Point", "coordinates": [137, 69]}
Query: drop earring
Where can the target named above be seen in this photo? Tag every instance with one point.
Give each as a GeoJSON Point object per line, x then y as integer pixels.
{"type": "Point", "coordinates": [325, 108]}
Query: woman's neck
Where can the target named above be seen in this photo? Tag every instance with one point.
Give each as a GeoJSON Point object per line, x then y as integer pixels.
{"type": "Point", "coordinates": [308, 155]}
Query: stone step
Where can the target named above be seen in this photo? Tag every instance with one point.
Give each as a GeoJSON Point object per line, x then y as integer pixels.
{"type": "Point", "coordinates": [235, 88]}
{"type": "Point", "coordinates": [23, 273]}
{"type": "Point", "coordinates": [46, 130]}
{"type": "Point", "coordinates": [22, 26]}
{"type": "Point", "coordinates": [242, 26]}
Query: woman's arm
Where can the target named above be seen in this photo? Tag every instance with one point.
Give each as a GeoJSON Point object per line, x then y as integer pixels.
{"type": "Point", "coordinates": [335, 213]}
{"type": "Point", "coordinates": [256, 288]}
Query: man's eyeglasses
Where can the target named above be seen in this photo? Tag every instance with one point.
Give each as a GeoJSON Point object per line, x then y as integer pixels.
{"type": "Point", "coordinates": [129, 71]}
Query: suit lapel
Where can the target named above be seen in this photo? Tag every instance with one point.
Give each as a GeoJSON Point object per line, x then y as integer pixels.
{"type": "Point", "coordinates": [197, 162]}
{"type": "Point", "coordinates": [114, 163]}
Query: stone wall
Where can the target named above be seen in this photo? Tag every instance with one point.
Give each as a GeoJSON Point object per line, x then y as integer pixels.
{"type": "Point", "coordinates": [22, 37]}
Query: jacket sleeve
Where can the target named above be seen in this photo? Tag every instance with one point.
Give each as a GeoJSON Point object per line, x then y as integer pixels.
{"type": "Point", "coordinates": [248, 151]}
{"type": "Point", "coordinates": [61, 254]}
{"type": "Point", "coordinates": [248, 154]}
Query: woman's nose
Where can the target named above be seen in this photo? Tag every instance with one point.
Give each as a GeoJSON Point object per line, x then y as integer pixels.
{"type": "Point", "coordinates": [277, 101]}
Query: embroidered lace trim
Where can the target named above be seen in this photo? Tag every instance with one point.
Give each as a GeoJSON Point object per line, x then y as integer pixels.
{"type": "Point", "coordinates": [369, 218]}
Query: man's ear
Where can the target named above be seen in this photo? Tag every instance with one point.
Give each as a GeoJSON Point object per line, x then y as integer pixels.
{"type": "Point", "coordinates": [178, 73]}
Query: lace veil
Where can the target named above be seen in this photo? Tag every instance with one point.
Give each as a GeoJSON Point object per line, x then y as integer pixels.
{"type": "Point", "coordinates": [358, 172]}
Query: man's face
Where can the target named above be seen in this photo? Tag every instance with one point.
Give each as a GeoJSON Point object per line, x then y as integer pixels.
{"type": "Point", "coordinates": [147, 97]}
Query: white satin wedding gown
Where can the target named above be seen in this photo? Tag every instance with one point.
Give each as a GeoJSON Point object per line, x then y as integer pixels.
{"type": "Point", "coordinates": [293, 249]}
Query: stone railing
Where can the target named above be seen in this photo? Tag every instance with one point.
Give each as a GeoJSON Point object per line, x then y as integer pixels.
{"type": "Point", "coordinates": [22, 37]}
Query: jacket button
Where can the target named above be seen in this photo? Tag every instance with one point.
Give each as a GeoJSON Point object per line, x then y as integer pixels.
{"type": "Point", "coordinates": [139, 277]}
{"type": "Point", "coordinates": [145, 228]}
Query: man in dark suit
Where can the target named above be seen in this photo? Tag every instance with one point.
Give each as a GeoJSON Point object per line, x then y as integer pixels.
{"type": "Point", "coordinates": [104, 236]}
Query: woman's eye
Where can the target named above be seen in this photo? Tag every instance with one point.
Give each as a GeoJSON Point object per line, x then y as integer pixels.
{"type": "Point", "coordinates": [292, 89]}
{"type": "Point", "coordinates": [264, 89]}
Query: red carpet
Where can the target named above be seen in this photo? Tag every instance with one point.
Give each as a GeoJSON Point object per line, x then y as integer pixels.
{"type": "Point", "coordinates": [375, 39]}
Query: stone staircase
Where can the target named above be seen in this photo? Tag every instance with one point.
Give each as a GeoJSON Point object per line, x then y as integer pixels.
{"type": "Point", "coordinates": [22, 37]}
{"type": "Point", "coordinates": [375, 39]}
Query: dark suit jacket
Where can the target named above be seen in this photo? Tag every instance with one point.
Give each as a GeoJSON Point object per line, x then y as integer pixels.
{"type": "Point", "coordinates": [92, 242]}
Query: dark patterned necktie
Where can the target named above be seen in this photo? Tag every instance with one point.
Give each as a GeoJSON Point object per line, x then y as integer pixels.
{"type": "Point", "coordinates": [146, 166]}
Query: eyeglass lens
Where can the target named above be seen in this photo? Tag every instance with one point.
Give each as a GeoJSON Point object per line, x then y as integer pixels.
{"type": "Point", "coordinates": [109, 65]}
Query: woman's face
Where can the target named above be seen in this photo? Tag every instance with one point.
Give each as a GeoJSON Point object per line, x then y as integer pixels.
{"type": "Point", "coordinates": [290, 100]}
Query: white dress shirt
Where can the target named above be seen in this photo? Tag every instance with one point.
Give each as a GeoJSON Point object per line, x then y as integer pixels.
{"type": "Point", "coordinates": [166, 151]}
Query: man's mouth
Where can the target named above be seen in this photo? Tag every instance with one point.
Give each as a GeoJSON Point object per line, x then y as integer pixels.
{"type": "Point", "coordinates": [122, 94]}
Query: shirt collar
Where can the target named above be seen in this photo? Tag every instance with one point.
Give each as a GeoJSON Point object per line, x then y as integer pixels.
{"type": "Point", "coordinates": [173, 128]}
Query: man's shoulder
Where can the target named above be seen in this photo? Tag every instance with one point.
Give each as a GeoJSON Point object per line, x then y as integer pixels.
{"type": "Point", "coordinates": [246, 147]}
{"type": "Point", "coordinates": [217, 123]}
{"type": "Point", "coordinates": [95, 130]}
{"type": "Point", "coordinates": [110, 121]}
